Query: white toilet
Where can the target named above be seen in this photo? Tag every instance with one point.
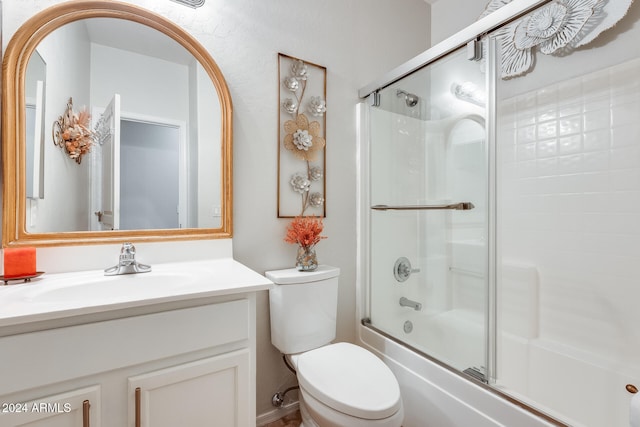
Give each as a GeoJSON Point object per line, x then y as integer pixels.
{"type": "Point", "coordinates": [341, 384]}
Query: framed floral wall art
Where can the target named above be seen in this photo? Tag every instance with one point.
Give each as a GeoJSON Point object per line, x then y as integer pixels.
{"type": "Point", "coordinates": [301, 138]}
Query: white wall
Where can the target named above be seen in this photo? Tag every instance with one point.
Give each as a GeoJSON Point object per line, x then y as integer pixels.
{"type": "Point", "coordinates": [357, 41]}
{"type": "Point", "coordinates": [208, 199]}
{"type": "Point", "coordinates": [451, 16]}
{"type": "Point", "coordinates": [141, 83]}
{"type": "Point", "coordinates": [69, 72]}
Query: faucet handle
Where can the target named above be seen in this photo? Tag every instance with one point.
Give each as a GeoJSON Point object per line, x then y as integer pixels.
{"type": "Point", "coordinates": [127, 253]}
{"type": "Point", "coordinates": [402, 269]}
{"type": "Point", "coordinates": [127, 262]}
{"type": "Point", "coordinates": [128, 247]}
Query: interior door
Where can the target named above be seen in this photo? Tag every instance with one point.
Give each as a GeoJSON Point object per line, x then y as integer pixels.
{"type": "Point", "coordinates": [109, 211]}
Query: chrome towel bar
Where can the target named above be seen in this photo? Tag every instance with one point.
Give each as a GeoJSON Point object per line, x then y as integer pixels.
{"type": "Point", "coordinates": [462, 206]}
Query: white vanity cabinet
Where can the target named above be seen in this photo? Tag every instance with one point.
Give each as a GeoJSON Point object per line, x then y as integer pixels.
{"type": "Point", "coordinates": [216, 388]}
{"type": "Point", "coordinates": [190, 365]}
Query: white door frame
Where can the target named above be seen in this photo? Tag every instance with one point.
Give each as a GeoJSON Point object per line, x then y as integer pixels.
{"type": "Point", "coordinates": [183, 206]}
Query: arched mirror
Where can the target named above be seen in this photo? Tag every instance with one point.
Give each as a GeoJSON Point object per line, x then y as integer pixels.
{"type": "Point", "coordinates": [116, 124]}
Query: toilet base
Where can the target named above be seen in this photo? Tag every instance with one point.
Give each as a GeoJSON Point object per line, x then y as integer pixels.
{"type": "Point", "coordinates": [307, 421]}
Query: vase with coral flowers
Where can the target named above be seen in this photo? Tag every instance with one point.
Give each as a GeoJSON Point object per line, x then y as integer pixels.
{"type": "Point", "coordinates": [306, 233]}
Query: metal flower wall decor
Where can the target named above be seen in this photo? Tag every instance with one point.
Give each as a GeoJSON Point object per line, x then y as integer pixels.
{"type": "Point", "coordinates": [555, 28]}
{"type": "Point", "coordinates": [301, 141]}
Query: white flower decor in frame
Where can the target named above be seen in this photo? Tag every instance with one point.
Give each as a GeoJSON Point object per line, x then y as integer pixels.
{"type": "Point", "coordinates": [301, 138]}
{"type": "Point", "coordinates": [317, 106]}
{"type": "Point", "coordinates": [555, 28]}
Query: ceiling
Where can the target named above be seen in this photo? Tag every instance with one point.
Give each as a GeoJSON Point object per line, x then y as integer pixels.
{"type": "Point", "coordinates": [134, 37]}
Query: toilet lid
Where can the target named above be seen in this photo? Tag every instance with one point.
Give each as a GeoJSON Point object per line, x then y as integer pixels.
{"type": "Point", "coordinates": [351, 380]}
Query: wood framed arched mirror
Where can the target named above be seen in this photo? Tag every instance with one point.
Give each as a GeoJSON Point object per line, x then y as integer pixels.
{"type": "Point", "coordinates": [165, 170]}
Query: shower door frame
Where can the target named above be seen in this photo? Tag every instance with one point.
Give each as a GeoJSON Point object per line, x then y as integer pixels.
{"type": "Point", "coordinates": [475, 32]}
{"type": "Point", "coordinates": [507, 13]}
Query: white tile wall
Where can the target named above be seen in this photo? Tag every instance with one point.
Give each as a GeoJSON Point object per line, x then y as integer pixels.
{"type": "Point", "coordinates": [569, 204]}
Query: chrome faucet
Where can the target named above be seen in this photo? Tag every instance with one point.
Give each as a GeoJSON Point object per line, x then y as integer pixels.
{"type": "Point", "coordinates": [127, 263]}
{"type": "Point", "coordinates": [406, 302]}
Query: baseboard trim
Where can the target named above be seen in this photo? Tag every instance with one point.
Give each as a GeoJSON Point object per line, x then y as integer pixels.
{"type": "Point", "coordinates": [276, 414]}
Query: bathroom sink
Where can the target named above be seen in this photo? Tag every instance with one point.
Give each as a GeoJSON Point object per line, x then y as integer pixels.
{"type": "Point", "coordinates": [55, 296]}
{"type": "Point", "coordinates": [108, 288]}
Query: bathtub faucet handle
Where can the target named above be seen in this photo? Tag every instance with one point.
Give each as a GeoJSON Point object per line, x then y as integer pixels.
{"type": "Point", "coordinates": [402, 269]}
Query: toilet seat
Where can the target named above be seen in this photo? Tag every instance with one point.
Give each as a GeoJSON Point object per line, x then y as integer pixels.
{"type": "Point", "coordinates": [350, 380]}
{"type": "Point", "coordinates": [315, 414]}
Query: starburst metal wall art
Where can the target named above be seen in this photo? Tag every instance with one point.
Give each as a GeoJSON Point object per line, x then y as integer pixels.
{"type": "Point", "coordinates": [191, 3]}
{"type": "Point", "coordinates": [556, 28]}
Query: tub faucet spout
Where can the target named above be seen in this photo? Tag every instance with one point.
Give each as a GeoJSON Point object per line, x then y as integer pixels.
{"type": "Point", "coordinates": [406, 302]}
{"type": "Point", "coordinates": [127, 263]}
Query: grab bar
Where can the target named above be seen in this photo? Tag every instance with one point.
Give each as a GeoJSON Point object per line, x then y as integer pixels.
{"type": "Point", "coordinates": [462, 206]}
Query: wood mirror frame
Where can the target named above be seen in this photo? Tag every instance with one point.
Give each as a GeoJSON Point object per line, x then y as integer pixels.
{"type": "Point", "coordinates": [16, 58]}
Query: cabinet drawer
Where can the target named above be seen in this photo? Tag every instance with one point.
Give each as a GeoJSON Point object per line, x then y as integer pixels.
{"type": "Point", "coordinates": [76, 408]}
{"type": "Point", "coordinates": [61, 354]}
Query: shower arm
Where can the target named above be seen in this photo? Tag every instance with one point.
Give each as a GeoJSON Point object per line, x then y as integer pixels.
{"type": "Point", "coordinates": [462, 206]}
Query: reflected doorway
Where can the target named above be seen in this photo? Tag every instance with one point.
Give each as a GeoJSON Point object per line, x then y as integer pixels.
{"type": "Point", "coordinates": [149, 175]}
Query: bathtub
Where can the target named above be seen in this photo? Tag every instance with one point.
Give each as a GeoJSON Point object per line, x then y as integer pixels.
{"type": "Point", "coordinates": [435, 396]}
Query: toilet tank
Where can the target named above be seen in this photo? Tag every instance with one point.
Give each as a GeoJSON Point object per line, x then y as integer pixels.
{"type": "Point", "coordinates": [303, 308]}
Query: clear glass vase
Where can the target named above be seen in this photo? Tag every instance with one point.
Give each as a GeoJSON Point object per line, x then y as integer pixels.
{"type": "Point", "coordinates": [306, 259]}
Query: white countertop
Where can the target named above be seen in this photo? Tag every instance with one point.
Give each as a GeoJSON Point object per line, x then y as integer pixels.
{"type": "Point", "coordinates": [61, 295]}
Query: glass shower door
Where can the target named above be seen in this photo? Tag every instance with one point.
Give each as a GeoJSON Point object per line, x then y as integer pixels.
{"type": "Point", "coordinates": [428, 212]}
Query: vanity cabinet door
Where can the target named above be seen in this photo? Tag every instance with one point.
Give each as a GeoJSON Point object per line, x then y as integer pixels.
{"type": "Point", "coordinates": [77, 408]}
{"type": "Point", "coordinates": [207, 392]}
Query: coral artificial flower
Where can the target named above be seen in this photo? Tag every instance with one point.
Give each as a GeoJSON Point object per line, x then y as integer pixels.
{"type": "Point", "coordinates": [305, 231]}
{"type": "Point", "coordinates": [303, 138]}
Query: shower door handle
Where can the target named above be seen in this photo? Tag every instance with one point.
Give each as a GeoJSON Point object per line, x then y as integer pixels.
{"type": "Point", "coordinates": [462, 206]}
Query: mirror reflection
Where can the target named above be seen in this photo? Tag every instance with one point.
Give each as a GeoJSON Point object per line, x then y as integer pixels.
{"type": "Point", "coordinates": [34, 122]}
{"type": "Point", "coordinates": [155, 158]}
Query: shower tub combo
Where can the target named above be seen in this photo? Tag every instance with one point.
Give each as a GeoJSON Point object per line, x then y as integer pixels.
{"type": "Point", "coordinates": [498, 220]}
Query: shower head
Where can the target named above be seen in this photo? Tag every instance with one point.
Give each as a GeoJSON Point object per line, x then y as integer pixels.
{"type": "Point", "coordinates": [410, 99]}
